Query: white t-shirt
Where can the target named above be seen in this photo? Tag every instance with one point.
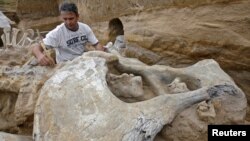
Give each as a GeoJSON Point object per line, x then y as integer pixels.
{"type": "Point", "coordinates": [69, 44]}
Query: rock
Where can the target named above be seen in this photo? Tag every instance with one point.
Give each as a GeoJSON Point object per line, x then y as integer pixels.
{"type": "Point", "coordinates": [206, 111]}
{"type": "Point", "coordinates": [11, 137]}
{"type": "Point", "coordinates": [142, 54]}
{"type": "Point", "coordinates": [177, 86]}
{"type": "Point", "coordinates": [125, 85]}
{"type": "Point", "coordinates": [19, 87]}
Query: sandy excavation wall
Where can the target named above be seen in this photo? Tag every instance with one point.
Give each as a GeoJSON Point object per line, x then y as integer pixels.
{"type": "Point", "coordinates": [99, 10]}
{"type": "Point", "coordinates": [35, 9]}
{"type": "Point", "coordinates": [96, 10]}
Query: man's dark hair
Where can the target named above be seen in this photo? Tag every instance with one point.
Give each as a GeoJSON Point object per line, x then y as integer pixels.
{"type": "Point", "coordinates": [68, 7]}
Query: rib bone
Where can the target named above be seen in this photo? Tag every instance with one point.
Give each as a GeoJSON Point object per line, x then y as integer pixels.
{"type": "Point", "coordinates": [7, 34]}
{"type": "Point", "coordinates": [15, 32]}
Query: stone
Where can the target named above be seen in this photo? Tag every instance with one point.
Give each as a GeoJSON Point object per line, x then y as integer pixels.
{"type": "Point", "coordinates": [125, 85]}
{"type": "Point", "coordinates": [11, 137]}
{"type": "Point", "coordinates": [19, 87]}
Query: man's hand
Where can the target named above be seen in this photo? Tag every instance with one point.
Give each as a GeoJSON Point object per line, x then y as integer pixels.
{"type": "Point", "coordinates": [100, 47]}
{"type": "Point", "coordinates": [45, 60]}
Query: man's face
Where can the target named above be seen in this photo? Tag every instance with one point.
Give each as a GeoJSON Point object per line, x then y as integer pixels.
{"type": "Point", "coordinates": [70, 20]}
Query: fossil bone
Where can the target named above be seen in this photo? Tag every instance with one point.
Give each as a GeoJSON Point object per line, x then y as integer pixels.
{"type": "Point", "coordinates": [10, 37]}
{"type": "Point", "coordinates": [88, 110]}
{"type": "Point", "coordinates": [15, 32]}
{"type": "Point", "coordinates": [7, 33]}
{"type": "Point", "coordinates": [29, 33]}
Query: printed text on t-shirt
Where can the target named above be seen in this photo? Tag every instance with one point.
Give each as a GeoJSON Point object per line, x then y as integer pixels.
{"type": "Point", "coordinates": [74, 40]}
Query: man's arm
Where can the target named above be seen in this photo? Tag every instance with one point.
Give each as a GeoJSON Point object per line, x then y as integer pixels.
{"type": "Point", "coordinates": [42, 58]}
